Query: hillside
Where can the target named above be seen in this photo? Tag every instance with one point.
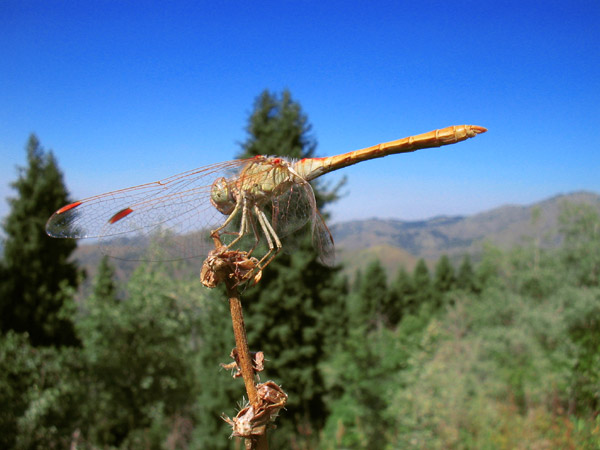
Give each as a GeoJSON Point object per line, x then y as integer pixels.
{"type": "Point", "coordinates": [401, 243]}
{"type": "Point", "coordinates": [505, 226]}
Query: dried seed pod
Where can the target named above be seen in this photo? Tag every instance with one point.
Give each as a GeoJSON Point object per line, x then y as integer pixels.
{"type": "Point", "coordinates": [272, 394]}
{"type": "Point", "coordinates": [222, 264]}
{"type": "Point", "coordinates": [246, 423]}
{"type": "Point", "coordinates": [250, 422]}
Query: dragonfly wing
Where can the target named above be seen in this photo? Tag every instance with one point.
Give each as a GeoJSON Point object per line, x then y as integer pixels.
{"type": "Point", "coordinates": [176, 211]}
{"type": "Point", "coordinates": [296, 207]}
{"type": "Point", "coordinates": [293, 208]}
{"type": "Point", "coordinates": [323, 240]}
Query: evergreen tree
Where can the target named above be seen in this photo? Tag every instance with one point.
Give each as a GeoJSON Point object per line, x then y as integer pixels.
{"type": "Point", "coordinates": [140, 355]}
{"type": "Point", "coordinates": [354, 301]}
{"type": "Point", "coordinates": [217, 392]}
{"type": "Point", "coordinates": [277, 126]}
{"type": "Point", "coordinates": [444, 279]}
{"type": "Point", "coordinates": [465, 279]}
{"type": "Point", "coordinates": [296, 316]}
{"type": "Point", "coordinates": [104, 285]}
{"type": "Point", "coordinates": [297, 310]}
{"type": "Point", "coordinates": [404, 294]}
{"type": "Point", "coordinates": [373, 295]}
{"type": "Point", "coordinates": [364, 367]}
{"type": "Point", "coordinates": [422, 284]}
{"type": "Point", "coordinates": [356, 283]}
{"type": "Point", "coordinates": [36, 269]}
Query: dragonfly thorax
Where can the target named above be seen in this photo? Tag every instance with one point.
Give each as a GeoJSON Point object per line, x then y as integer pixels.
{"type": "Point", "coordinates": [265, 178]}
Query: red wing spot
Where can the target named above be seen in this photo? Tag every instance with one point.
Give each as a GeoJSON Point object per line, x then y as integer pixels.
{"type": "Point", "coordinates": [64, 209]}
{"type": "Point", "coordinates": [118, 216]}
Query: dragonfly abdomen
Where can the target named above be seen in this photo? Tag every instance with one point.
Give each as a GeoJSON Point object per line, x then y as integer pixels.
{"type": "Point", "coordinates": [310, 168]}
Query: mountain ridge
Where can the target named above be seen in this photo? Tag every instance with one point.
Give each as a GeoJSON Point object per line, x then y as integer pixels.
{"type": "Point", "coordinates": [505, 226]}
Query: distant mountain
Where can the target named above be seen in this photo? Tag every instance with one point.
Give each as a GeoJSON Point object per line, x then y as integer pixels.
{"type": "Point", "coordinates": [505, 227]}
{"type": "Point", "coordinates": [401, 243]}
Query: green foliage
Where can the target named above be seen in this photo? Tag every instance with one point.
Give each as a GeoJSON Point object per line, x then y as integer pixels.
{"type": "Point", "coordinates": [444, 280]}
{"type": "Point", "coordinates": [493, 373]}
{"type": "Point", "coordinates": [582, 322]}
{"type": "Point", "coordinates": [295, 318]}
{"type": "Point", "coordinates": [465, 278]}
{"type": "Point", "coordinates": [512, 362]}
{"type": "Point", "coordinates": [35, 269]}
{"type": "Point", "coordinates": [216, 391]}
{"type": "Point", "coordinates": [362, 369]}
{"type": "Point", "coordinates": [18, 373]}
{"type": "Point", "coordinates": [513, 365]}
{"type": "Point", "coordinates": [41, 391]}
{"type": "Point", "coordinates": [580, 225]}
{"type": "Point", "coordinates": [423, 288]}
{"type": "Point", "coordinates": [373, 296]}
{"type": "Point", "coordinates": [104, 287]}
{"type": "Point", "coordinates": [139, 354]}
{"type": "Point", "coordinates": [403, 296]}
{"type": "Point", "coordinates": [277, 126]}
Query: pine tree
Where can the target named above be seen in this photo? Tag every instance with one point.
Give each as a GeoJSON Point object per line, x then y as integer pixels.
{"type": "Point", "coordinates": [404, 294]}
{"type": "Point", "coordinates": [277, 126]}
{"type": "Point", "coordinates": [465, 279]}
{"type": "Point", "coordinates": [36, 269]}
{"type": "Point", "coordinates": [373, 296]}
{"type": "Point", "coordinates": [296, 312]}
{"type": "Point", "coordinates": [422, 284]}
{"type": "Point", "coordinates": [356, 283]}
{"type": "Point", "coordinates": [104, 284]}
{"type": "Point", "coordinates": [444, 278]}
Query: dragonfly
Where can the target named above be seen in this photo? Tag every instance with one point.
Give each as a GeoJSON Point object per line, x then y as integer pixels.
{"type": "Point", "coordinates": [235, 204]}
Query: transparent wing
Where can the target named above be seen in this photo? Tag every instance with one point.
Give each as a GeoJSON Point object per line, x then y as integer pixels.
{"type": "Point", "coordinates": [323, 240]}
{"type": "Point", "coordinates": [293, 209]}
{"type": "Point", "coordinates": [176, 213]}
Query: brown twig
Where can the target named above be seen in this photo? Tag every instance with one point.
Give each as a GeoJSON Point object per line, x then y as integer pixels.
{"type": "Point", "coordinates": [245, 359]}
{"type": "Point", "coordinates": [233, 267]}
{"type": "Point", "coordinates": [241, 342]}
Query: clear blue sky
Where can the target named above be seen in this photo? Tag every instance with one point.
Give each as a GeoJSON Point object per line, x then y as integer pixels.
{"type": "Point", "coordinates": [129, 92]}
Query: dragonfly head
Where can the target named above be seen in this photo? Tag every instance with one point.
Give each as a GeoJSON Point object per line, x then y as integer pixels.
{"type": "Point", "coordinates": [221, 196]}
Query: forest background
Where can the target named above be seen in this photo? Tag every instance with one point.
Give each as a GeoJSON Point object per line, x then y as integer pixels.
{"type": "Point", "coordinates": [501, 350]}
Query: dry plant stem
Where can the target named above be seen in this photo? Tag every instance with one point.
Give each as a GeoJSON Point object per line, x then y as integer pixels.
{"type": "Point", "coordinates": [245, 359]}
{"type": "Point", "coordinates": [241, 343]}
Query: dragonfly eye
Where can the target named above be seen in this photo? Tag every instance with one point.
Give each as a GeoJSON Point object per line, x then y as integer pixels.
{"type": "Point", "coordinates": [221, 196]}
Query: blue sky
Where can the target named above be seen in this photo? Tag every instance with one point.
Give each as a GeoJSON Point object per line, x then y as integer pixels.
{"type": "Point", "coordinates": [126, 92]}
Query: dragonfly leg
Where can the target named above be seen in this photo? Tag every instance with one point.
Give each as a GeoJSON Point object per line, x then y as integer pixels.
{"type": "Point", "coordinates": [248, 222]}
{"type": "Point", "coordinates": [244, 222]}
{"type": "Point", "coordinates": [269, 232]}
{"type": "Point", "coordinates": [256, 234]}
{"type": "Point", "coordinates": [216, 232]}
